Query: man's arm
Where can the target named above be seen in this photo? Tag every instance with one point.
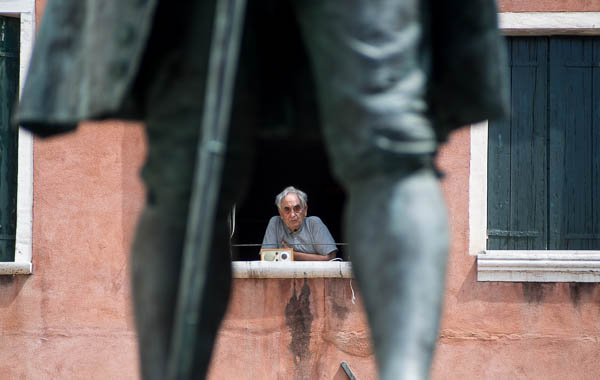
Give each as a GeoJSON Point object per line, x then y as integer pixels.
{"type": "Point", "coordinates": [307, 256]}
{"type": "Point", "coordinates": [301, 256]}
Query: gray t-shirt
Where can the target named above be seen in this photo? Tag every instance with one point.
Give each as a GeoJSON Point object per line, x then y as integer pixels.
{"type": "Point", "coordinates": [311, 237]}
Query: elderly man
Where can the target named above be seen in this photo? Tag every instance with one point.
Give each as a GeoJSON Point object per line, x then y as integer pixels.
{"type": "Point", "coordinates": [309, 237]}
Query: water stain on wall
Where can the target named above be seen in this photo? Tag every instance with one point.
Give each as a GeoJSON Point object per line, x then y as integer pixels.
{"type": "Point", "coordinates": [536, 291]}
{"type": "Point", "coordinates": [338, 297]}
{"type": "Point", "coordinates": [10, 288]}
{"type": "Point", "coordinates": [578, 289]}
{"type": "Point", "coordinates": [6, 280]}
{"type": "Point", "coordinates": [299, 319]}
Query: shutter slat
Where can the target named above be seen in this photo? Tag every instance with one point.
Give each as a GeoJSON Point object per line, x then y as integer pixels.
{"type": "Point", "coordinates": [499, 176]}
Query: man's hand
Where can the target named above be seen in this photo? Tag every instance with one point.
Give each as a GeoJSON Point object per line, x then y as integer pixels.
{"type": "Point", "coordinates": [302, 256]}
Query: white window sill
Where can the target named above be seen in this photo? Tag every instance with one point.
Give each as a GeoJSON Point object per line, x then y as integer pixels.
{"type": "Point", "coordinates": [538, 266]}
{"type": "Point", "coordinates": [296, 269]}
{"type": "Point", "coordinates": [549, 23]}
{"type": "Point", "coordinates": [11, 268]}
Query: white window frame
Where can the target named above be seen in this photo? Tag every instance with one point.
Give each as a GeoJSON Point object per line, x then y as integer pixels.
{"type": "Point", "coordinates": [529, 265]}
{"type": "Point", "coordinates": [25, 10]}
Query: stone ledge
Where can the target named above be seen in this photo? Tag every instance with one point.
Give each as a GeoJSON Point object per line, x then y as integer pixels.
{"type": "Point", "coordinates": [297, 269]}
{"type": "Point", "coordinates": [538, 266]}
{"type": "Point", "coordinates": [12, 268]}
{"type": "Point", "coordinates": [549, 23]}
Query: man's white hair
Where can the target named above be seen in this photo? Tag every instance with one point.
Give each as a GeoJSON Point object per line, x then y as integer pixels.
{"type": "Point", "coordinates": [291, 190]}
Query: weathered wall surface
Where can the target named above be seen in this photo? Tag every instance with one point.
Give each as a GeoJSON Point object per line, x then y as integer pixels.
{"type": "Point", "coordinates": [293, 329]}
{"type": "Point", "coordinates": [548, 5]}
{"type": "Point", "coordinates": [71, 318]}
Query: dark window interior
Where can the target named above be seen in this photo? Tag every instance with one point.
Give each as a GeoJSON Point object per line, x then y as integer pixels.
{"type": "Point", "coordinates": [288, 145]}
{"type": "Point", "coordinates": [9, 88]}
{"type": "Point", "coordinates": [276, 169]}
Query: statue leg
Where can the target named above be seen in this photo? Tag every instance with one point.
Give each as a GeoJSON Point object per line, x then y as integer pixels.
{"type": "Point", "coordinates": [156, 265]}
{"type": "Point", "coordinates": [172, 87]}
{"type": "Point", "coordinates": [371, 63]}
{"type": "Point", "coordinates": [158, 248]}
{"type": "Point", "coordinates": [173, 117]}
{"type": "Point", "coordinates": [398, 234]}
{"type": "Point", "coordinates": [172, 125]}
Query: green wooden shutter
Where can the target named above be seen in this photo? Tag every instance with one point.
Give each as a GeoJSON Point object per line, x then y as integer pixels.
{"type": "Point", "coordinates": [517, 174]}
{"type": "Point", "coordinates": [9, 88]}
{"type": "Point", "coordinates": [544, 164]}
{"type": "Point", "coordinates": [574, 143]}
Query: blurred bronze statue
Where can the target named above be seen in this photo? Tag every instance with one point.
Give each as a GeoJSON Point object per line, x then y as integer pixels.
{"type": "Point", "coordinates": [391, 78]}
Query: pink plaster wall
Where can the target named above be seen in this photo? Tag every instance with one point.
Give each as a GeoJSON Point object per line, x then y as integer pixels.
{"type": "Point", "coordinates": [71, 318]}
{"type": "Point", "coordinates": [549, 5]}
{"type": "Point", "coordinates": [39, 10]}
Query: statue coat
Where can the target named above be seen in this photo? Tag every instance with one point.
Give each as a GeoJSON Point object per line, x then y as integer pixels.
{"type": "Point", "coordinates": [88, 53]}
{"type": "Point", "coordinates": [85, 59]}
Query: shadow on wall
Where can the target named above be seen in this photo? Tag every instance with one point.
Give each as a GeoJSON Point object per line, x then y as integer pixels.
{"type": "Point", "coordinates": [526, 292]}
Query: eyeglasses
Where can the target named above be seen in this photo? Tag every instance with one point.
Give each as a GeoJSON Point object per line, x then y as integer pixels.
{"type": "Point", "coordinates": [296, 209]}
